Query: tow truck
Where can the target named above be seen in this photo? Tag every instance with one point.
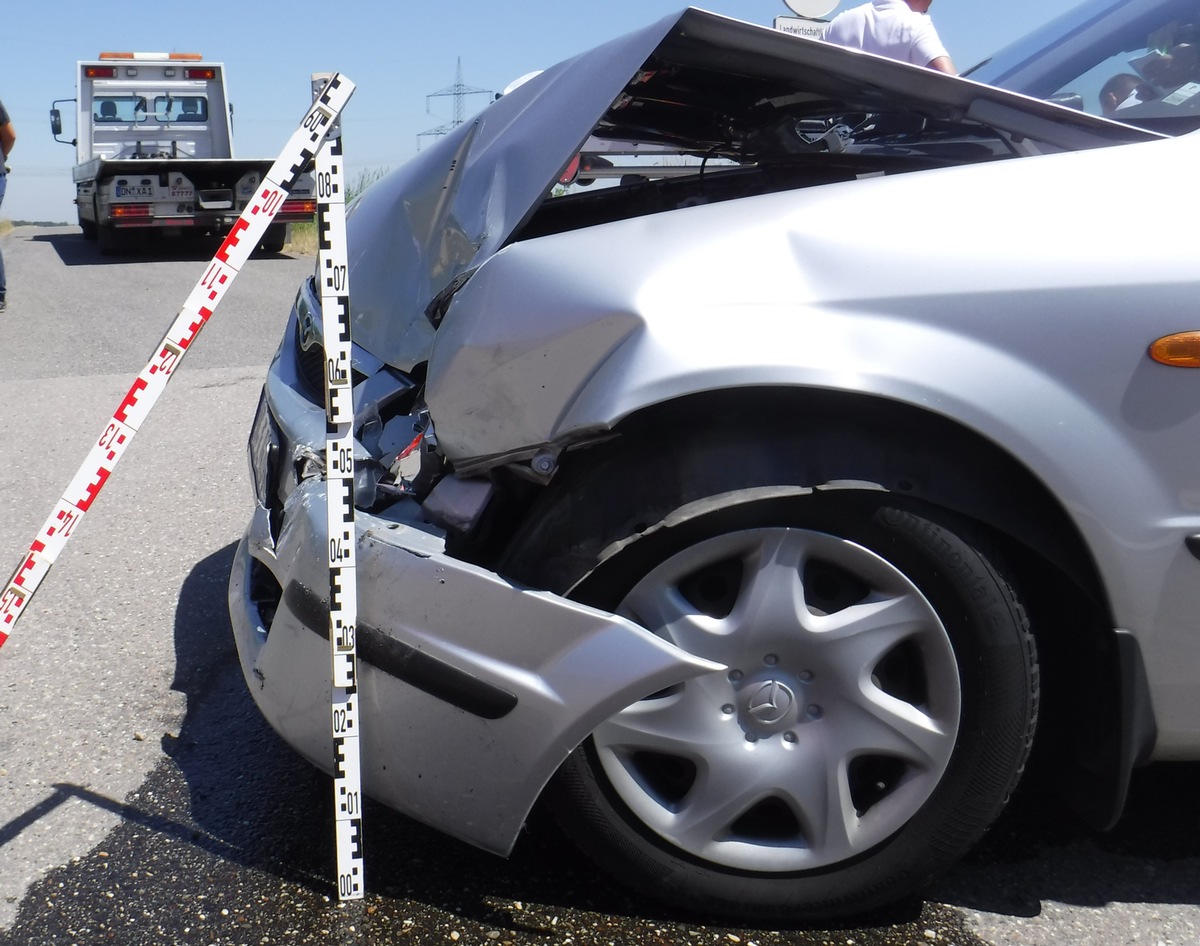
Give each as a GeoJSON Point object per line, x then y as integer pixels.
{"type": "Point", "coordinates": [154, 152]}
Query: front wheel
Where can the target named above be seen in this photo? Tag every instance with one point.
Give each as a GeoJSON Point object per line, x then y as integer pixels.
{"type": "Point", "coordinates": [876, 709]}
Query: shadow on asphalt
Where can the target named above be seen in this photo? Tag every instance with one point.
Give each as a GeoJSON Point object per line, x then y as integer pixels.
{"type": "Point", "coordinates": [251, 798]}
{"type": "Point", "coordinates": [74, 250]}
{"type": "Point", "coordinates": [1038, 852]}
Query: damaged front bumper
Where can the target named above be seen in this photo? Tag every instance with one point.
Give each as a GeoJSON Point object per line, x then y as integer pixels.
{"type": "Point", "coordinates": [472, 690]}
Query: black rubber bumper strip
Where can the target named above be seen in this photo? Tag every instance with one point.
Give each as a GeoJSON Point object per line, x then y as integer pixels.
{"type": "Point", "coordinates": [406, 663]}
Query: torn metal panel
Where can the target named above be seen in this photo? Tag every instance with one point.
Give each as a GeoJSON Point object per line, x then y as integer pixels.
{"type": "Point", "coordinates": [438, 655]}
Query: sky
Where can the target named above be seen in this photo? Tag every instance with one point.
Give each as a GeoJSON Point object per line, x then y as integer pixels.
{"type": "Point", "coordinates": [399, 53]}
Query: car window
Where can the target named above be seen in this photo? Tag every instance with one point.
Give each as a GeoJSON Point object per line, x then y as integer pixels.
{"type": "Point", "coordinates": [1151, 74]}
{"type": "Point", "coordinates": [126, 109]}
{"type": "Point", "coordinates": [181, 108]}
{"type": "Point", "coordinates": [1137, 61]}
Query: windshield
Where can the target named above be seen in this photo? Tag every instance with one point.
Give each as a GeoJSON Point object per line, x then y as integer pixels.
{"type": "Point", "coordinates": [1135, 61]}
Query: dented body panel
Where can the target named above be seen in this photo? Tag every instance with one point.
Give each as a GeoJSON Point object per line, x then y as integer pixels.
{"type": "Point", "coordinates": [526, 364]}
{"type": "Point", "coordinates": [453, 206]}
{"type": "Point", "coordinates": [437, 655]}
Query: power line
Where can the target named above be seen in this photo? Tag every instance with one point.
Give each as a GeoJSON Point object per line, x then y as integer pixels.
{"type": "Point", "coordinates": [459, 92]}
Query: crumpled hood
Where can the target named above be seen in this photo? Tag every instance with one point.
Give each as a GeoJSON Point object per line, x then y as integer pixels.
{"type": "Point", "coordinates": [453, 205]}
{"type": "Point", "coordinates": [444, 213]}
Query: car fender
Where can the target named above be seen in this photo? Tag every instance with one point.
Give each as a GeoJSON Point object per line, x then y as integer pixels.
{"type": "Point", "coordinates": [1042, 353]}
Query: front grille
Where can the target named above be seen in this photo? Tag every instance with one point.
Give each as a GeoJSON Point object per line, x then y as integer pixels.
{"type": "Point", "coordinates": [264, 447]}
{"type": "Point", "coordinates": [310, 364]}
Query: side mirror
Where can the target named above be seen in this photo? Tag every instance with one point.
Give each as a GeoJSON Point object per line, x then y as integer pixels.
{"type": "Point", "coordinates": [1069, 99]}
{"type": "Point", "coordinates": [56, 123]}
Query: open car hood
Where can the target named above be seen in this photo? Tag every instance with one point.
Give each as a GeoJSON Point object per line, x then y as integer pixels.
{"type": "Point", "coordinates": [694, 83]}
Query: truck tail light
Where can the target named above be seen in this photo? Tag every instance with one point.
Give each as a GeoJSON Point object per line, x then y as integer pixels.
{"type": "Point", "coordinates": [131, 210]}
{"type": "Point", "coordinates": [299, 206]}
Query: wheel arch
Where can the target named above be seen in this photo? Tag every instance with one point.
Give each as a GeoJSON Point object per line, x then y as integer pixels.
{"type": "Point", "coordinates": [1089, 740]}
{"type": "Point", "coordinates": [904, 450]}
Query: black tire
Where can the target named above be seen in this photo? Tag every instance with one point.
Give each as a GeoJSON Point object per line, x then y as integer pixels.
{"type": "Point", "coordinates": [704, 795]}
{"type": "Point", "coordinates": [274, 239]}
{"type": "Point", "coordinates": [109, 241]}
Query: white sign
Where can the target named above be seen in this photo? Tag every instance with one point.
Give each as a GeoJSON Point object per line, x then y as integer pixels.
{"type": "Point", "coordinates": [800, 26]}
{"type": "Point", "coordinates": [810, 9]}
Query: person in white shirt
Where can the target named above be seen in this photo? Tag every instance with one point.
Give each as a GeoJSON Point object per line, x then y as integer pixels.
{"type": "Point", "coordinates": [898, 29]}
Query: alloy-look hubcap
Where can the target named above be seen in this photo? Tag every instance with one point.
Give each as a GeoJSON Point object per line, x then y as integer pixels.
{"type": "Point", "coordinates": [832, 726]}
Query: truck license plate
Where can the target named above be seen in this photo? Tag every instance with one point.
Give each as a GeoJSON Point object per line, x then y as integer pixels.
{"type": "Point", "coordinates": [140, 190]}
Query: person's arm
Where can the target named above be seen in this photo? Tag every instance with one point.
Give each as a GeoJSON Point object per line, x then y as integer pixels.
{"type": "Point", "coordinates": [8, 137]}
{"type": "Point", "coordinates": [942, 64]}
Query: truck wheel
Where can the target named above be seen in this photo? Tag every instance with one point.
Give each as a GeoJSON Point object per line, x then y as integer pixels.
{"type": "Point", "coordinates": [108, 239]}
{"type": "Point", "coordinates": [274, 239]}
{"type": "Point", "coordinates": [876, 711]}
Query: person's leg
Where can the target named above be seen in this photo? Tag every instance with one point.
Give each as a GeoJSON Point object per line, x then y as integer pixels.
{"type": "Point", "coordinates": [3, 283]}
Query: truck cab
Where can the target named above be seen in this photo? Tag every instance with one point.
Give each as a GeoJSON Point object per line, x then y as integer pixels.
{"type": "Point", "coordinates": [134, 108]}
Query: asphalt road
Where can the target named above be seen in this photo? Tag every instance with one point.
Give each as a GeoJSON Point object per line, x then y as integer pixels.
{"type": "Point", "coordinates": [142, 799]}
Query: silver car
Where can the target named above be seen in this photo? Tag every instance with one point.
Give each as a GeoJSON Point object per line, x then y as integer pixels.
{"type": "Point", "coordinates": [803, 439]}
